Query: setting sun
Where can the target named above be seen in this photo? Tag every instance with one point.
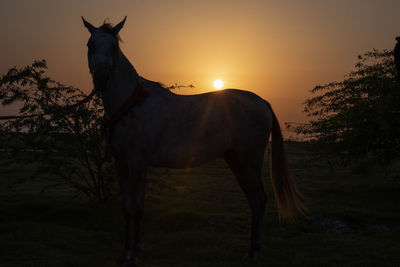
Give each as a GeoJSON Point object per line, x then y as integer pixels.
{"type": "Point", "coordinates": [218, 84]}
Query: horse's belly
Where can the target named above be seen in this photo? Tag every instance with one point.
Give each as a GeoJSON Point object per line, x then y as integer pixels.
{"type": "Point", "coordinates": [189, 152]}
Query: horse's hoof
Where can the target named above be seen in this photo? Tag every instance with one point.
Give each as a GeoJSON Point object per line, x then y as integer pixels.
{"type": "Point", "coordinates": [250, 258]}
{"type": "Point", "coordinates": [124, 262]}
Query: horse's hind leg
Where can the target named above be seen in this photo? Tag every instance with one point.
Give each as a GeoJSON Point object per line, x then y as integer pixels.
{"type": "Point", "coordinates": [247, 168]}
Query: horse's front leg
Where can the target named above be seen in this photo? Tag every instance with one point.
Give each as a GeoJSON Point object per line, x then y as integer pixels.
{"type": "Point", "coordinates": [132, 183]}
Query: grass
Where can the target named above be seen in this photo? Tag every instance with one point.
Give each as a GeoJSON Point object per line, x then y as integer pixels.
{"type": "Point", "coordinates": [200, 217]}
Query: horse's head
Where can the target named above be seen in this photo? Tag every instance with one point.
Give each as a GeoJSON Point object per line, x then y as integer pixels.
{"type": "Point", "coordinates": [103, 52]}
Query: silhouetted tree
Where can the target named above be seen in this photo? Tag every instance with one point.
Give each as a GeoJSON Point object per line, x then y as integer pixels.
{"type": "Point", "coordinates": [357, 120]}
{"type": "Point", "coordinates": [66, 144]}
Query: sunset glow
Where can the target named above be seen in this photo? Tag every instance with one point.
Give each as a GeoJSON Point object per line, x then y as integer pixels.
{"type": "Point", "coordinates": [218, 84]}
{"type": "Point", "coordinates": [278, 50]}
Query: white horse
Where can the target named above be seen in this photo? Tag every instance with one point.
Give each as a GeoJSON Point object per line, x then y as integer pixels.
{"type": "Point", "coordinates": [148, 125]}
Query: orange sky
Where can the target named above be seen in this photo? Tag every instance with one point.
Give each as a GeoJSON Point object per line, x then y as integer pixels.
{"type": "Point", "coordinates": [277, 49]}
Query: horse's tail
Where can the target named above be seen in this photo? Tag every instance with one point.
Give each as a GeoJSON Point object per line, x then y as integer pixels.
{"type": "Point", "coordinates": [288, 197]}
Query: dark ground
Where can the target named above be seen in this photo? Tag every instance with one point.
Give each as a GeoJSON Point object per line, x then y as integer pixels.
{"type": "Point", "coordinates": [200, 217]}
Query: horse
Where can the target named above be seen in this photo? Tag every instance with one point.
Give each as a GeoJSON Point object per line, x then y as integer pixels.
{"type": "Point", "coordinates": [147, 125]}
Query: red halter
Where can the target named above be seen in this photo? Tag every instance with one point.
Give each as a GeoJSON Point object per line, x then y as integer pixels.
{"type": "Point", "coordinates": [137, 98]}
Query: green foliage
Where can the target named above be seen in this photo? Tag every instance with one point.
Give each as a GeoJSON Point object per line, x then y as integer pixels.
{"type": "Point", "coordinates": [67, 143]}
{"type": "Point", "coordinates": [357, 120]}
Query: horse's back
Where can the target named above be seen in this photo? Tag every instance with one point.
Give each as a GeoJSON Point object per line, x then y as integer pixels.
{"type": "Point", "coordinates": [248, 117]}
{"type": "Point", "coordinates": [202, 127]}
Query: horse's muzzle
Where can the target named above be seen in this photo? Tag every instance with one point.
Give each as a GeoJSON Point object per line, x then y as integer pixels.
{"type": "Point", "coordinates": [101, 75]}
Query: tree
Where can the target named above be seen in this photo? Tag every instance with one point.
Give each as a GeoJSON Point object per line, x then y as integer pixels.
{"type": "Point", "coordinates": [357, 120]}
{"type": "Point", "coordinates": [67, 143]}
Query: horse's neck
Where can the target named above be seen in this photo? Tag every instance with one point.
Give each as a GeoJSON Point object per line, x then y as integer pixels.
{"type": "Point", "coordinates": [123, 82]}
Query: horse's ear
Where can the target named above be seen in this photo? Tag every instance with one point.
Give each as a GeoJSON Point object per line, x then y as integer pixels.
{"type": "Point", "coordinates": [118, 27]}
{"type": "Point", "coordinates": [89, 26]}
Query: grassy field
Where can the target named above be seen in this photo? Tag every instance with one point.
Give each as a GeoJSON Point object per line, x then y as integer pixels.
{"type": "Point", "coordinates": [200, 217]}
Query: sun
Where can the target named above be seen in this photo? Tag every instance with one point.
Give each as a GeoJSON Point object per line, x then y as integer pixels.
{"type": "Point", "coordinates": [218, 84]}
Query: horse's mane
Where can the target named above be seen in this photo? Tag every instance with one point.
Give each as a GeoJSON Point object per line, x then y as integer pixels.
{"type": "Point", "coordinates": [107, 28]}
{"type": "Point", "coordinates": [154, 83]}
